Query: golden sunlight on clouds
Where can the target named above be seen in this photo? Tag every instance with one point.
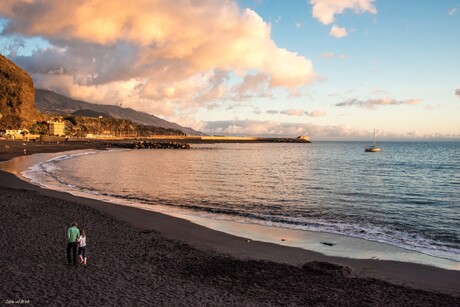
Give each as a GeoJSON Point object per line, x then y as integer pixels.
{"type": "Point", "coordinates": [316, 113]}
{"type": "Point", "coordinates": [167, 52]}
{"type": "Point", "coordinates": [293, 112]}
{"type": "Point", "coordinates": [325, 10]}
{"type": "Point", "coordinates": [338, 31]}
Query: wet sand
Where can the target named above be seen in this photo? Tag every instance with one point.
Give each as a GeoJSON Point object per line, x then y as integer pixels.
{"type": "Point", "coordinates": [144, 258]}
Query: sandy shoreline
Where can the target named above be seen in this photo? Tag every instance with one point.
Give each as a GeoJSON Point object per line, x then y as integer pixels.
{"type": "Point", "coordinates": [153, 259]}
{"type": "Point", "coordinates": [343, 246]}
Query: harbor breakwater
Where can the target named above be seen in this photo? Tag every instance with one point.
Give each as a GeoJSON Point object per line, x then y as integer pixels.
{"type": "Point", "coordinates": [150, 145]}
{"type": "Point", "coordinates": [182, 142]}
{"type": "Point", "coordinates": [228, 139]}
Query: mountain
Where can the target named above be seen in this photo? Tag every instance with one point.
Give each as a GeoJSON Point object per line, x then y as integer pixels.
{"type": "Point", "coordinates": [91, 113]}
{"type": "Point", "coordinates": [50, 102]}
{"type": "Point", "coordinates": [17, 97]}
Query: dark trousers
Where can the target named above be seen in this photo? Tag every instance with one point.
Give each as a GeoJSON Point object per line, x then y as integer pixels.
{"type": "Point", "coordinates": [72, 246]}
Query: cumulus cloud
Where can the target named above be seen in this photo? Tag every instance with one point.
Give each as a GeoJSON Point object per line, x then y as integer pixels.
{"type": "Point", "coordinates": [316, 132]}
{"type": "Point", "coordinates": [457, 92]}
{"type": "Point", "coordinates": [373, 103]}
{"type": "Point", "coordinates": [169, 54]}
{"type": "Point", "coordinates": [293, 112]}
{"type": "Point", "coordinates": [316, 113]}
{"type": "Point", "coordinates": [298, 112]}
{"type": "Point", "coordinates": [338, 32]}
{"type": "Point", "coordinates": [272, 128]}
{"type": "Point", "coordinates": [255, 128]}
{"type": "Point", "coordinates": [325, 10]}
{"type": "Point", "coordinates": [252, 86]}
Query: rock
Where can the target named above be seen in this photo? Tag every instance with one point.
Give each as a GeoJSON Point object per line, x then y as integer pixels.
{"type": "Point", "coordinates": [150, 145]}
{"type": "Point", "coordinates": [17, 97]}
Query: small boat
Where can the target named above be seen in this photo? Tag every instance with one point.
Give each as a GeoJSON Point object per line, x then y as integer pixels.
{"type": "Point", "coordinates": [373, 148]}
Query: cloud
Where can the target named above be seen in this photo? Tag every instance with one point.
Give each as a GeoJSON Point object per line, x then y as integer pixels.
{"type": "Point", "coordinates": [457, 92]}
{"type": "Point", "coordinates": [298, 112]}
{"type": "Point", "coordinates": [252, 86]}
{"type": "Point", "coordinates": [330, 55]}
{"type": "Point", "coordinates": [293, 112]}
{"type": "Point", "coordinates": [327, 55]}
{"type": "Point", "coordinates": [316, 132]}
{"type": "Point", "coordinates": [286, 129]}
{"type": "Point", "coordinates": [452, 11]}
{"type": "Point", "coordinates": [373, 103]}
{"type": "Point", "coordinates": [325, 10]}
{"type": "Point", "coordinates": [255, 128]}
{"type": "Point", "coordinates": [338, 32]}
{"type": "Point", "coordinates": [316, 113]}
{"type": "Point", "coordinates": [174, 53]}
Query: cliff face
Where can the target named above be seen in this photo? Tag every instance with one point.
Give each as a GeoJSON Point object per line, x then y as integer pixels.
{"type": "Point", "coordinates": [17, 110]}
{"type": "Point", "coordinates": [17, 97]}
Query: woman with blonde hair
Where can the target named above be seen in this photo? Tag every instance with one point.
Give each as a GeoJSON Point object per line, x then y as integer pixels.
{"type": "Point", "coordinates": [82, 247]}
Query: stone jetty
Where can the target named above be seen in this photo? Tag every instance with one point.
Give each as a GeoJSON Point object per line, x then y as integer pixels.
{"type": "Point", "coordinates": [150, 145]}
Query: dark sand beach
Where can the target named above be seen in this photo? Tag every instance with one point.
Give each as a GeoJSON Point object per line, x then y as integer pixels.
{"type": "Point", "coordinates": [141, 258]}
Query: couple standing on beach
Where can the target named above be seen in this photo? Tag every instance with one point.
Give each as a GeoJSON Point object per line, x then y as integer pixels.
{"type": "Point", "coordinates": [76, 238]}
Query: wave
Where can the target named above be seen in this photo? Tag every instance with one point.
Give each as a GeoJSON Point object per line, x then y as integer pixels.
{"type": "Point", "coordinates": [48, 174]}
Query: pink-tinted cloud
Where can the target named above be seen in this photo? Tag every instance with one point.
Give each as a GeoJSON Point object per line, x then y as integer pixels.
{"type": "Point", "coordinates": [252, 86]}
{"type": "Point", "coordinates": [316, 113]}
{"type": "Point", "coordinates": [331, 55]}
{"type": "Point", "coordinates": [167, 52]}
{"type": "Point", "coordinates": [293, 112]}
{"type": "Point", "coordinates": [316, 132]}
{"type": "Point", "coordinates": [457, 92]}
{"type": "Point", "coordinates": [325, 10]}
{"type": "Point", "coordinates": [327, 55]}
{"type": "Point", "coordinates": [373, 103]}
{"type": "Point", "coordinates": [338, 32]}
{"type": "Point", "coordinates": [298, 112]}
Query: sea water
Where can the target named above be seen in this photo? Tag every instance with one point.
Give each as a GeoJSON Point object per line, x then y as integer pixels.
{"type": "Point", "coordinates": [407, 196]}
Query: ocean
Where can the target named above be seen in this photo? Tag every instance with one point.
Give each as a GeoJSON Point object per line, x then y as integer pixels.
{"type": "Point", "coordinates": [406, 196]}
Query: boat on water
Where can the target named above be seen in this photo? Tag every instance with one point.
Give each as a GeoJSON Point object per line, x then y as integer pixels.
{"type": "Point", "coordinates": [373, 148]}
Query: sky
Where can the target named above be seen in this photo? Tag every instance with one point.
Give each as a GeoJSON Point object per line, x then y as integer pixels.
{"type": "Point", "coordinates": [330, 69]}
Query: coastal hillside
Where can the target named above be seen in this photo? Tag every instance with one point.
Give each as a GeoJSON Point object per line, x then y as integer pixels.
{"type": "Point", "coordinates": [82, 126]}
{"type": "Point", "coordinates": [51, 102]}
{"type": "Point", "coordinates": [17, 96]}
{"type": "Point", "coordinates": [90, 113]}
{"type": "Point", "coordinates": [18, 112]}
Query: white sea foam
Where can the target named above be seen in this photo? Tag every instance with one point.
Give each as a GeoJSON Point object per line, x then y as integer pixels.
{"type": "Point", "coordinates": [45, 174]}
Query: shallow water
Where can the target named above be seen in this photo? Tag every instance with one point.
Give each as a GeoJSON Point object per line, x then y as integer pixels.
{"type": "Point", "coordinates": [407, 196]}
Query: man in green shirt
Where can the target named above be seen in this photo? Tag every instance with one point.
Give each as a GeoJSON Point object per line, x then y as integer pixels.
{"type": "Point", "coordinates": [73, 233]}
